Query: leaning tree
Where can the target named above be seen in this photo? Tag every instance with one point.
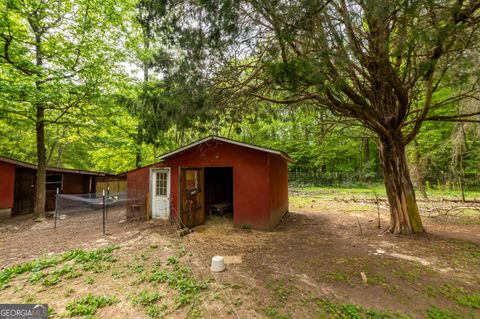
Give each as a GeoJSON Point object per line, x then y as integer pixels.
{"type": "Point", "coordinates": [391, 65]}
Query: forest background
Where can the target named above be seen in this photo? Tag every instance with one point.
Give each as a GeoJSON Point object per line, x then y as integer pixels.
{"type": "Point", "coordinates": [110, 107]}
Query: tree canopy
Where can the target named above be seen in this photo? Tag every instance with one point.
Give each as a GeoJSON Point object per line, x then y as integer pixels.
{"type": "Point", "coordinates": [390, 65]}
{"type": "Point", "coordinates": [360, 87]}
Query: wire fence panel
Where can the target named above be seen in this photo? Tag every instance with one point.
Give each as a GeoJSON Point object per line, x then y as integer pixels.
{"type": "Point", "coordinates": [331, 179]}
{"type": "Point", "coordinates": [96, 206]}
{"type": "Point", "coordinates": [437, 180]}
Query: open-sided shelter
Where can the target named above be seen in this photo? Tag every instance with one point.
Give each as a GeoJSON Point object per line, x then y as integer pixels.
{"type": "Point", "coordinates": [211, 173]}
{"type": "Point", "coordinates": [17, 185]}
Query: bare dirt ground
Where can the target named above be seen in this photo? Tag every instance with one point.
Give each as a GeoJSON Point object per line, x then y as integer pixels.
{"type": "Point", "coordinates": [311, 266]}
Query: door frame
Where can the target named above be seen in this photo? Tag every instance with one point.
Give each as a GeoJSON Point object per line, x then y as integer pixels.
{"type": "Point", "coordinates": [233, 188]}
{"type": "Point", "coordinates": [169, 190]}
{"type": "Point", "coordinates": [179, 199]}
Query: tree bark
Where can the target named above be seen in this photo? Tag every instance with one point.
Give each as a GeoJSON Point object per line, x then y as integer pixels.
{"type": "Point", "coordinates": [405, 217]}
{"type": "Point", "coordinates": [39, 211]}
{"type": "Point", "coordinates": [40, 187]}
{"type": "Point", "coordinates": [419, 171]}
{"type": "Point", "coordinates": [139, 142]}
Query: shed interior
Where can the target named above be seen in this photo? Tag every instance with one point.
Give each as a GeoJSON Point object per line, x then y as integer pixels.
{"type": "Point", "coordinates": [218, 190]}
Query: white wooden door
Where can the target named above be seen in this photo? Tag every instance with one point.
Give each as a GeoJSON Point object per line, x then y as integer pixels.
{"type": "Point", "coordinates": [161, 193]}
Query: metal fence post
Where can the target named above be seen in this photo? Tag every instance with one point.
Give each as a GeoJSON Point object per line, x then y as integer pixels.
{"type": "Point", "coordinates": [56, 209]}
{"type": "Point", "coordinates": [103, 201]}
{"type": "Point", "coordinates": [106, 203]}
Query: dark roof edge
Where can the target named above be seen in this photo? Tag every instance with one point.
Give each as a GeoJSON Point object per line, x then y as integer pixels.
{"type": "Point", "coordinates": [227, 140]}
{"type": "Point", "coordinates": [283, 155]}
{"type": "Point", "coordinates": [51, 169]}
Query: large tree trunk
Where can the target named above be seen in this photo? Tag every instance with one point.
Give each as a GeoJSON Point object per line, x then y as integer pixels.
{"type": "Point", "coordinates": [40, 188]}
{"type": "Point", "coordinates": [39, 211]}
{"type": "Point", "coordinates": [420, 171]}
{"type": "Point", "coordinates": [139, 143]}
{"type": "Point", "coordinates": [404, 214]}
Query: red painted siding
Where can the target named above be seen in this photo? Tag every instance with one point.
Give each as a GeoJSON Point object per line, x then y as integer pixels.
{"type": "Point", "coordinates": [278, 172]}
{"type": "Point", "coordinates": [251, 189]}
{"type": "Point", "coordinates": [72, 184]}
{"type": "Point", "coordinates": [7, 182]}
{"type": "Point", "coordinates": [75, 183]}
{"type": "Point", "coordinates": [138, 185]}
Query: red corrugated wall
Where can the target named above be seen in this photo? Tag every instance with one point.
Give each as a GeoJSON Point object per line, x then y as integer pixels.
{"type": "Point", "coordinates": [251, 174]}
{"type": "Point", "coordinates": [7, 183]}
{"type": "Point", "coordinates": [72, 184]}
{"type": "Point", "coordinates": [278, 171]}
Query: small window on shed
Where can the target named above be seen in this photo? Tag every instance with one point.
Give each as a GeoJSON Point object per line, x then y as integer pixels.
{"type": "Point", "coordinates": [54, 181]}
{"type": "Point", "coordinates": [161, 184]}
{"type": "Point", "coordinates": [191, 180]}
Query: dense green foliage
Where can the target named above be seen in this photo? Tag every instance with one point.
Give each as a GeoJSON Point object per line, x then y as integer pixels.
{"type": "Point", "coordinates": [101, 131]}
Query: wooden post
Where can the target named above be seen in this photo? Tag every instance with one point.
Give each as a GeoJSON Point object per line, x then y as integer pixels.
{"type": "Point", "coordinates": [147, 207]}
{"type": "Point", "coordinates": [377, 201]}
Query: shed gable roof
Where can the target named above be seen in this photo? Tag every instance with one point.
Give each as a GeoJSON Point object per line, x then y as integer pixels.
{"type": "Point", "coordinates": [229, 141]}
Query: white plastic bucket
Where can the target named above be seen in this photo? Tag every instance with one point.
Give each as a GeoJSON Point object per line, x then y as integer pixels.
{"type": "Point", "coordinates": [218, 264]}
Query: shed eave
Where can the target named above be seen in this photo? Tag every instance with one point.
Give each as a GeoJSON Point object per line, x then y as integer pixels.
{"type": "Point", "coordinates": [51, 169]}
{"type": "Point", "coordinates": [226, 140]}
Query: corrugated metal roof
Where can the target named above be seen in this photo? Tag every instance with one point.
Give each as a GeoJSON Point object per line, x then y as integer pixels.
{"type": "Point", "coordinates": [50, 169]}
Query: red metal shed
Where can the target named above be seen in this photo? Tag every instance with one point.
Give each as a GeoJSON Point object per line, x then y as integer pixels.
{"type": "Point", "coordinates": [215, 172]}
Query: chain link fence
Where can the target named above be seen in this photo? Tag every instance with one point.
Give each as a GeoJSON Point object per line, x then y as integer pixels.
{"type": "Point", "coordinates": [438, 180]}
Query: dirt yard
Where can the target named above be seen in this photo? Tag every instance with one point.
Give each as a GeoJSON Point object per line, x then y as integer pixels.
{"type": "Point", "coordinates": [326, 259]}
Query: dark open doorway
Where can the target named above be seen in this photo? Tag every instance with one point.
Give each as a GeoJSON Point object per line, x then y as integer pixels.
{"type": "Point", "coordinates": [219, 191]}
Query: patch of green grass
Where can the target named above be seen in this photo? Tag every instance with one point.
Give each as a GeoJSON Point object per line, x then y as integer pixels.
{"type": "Point", "coordinates": [116, 274]}
{"type": "Point", "coordinates": [91, 256]}
{"type": "Point", "coordinates": [280, 289]}
{"type": "Point", "coordinates": [89, 280]}
{"type": "Point", "coordinates": [172, 260]}
{"type": "Point", "coordinates": [51, 312]}
{"type": "Point", "coordinates": [351, 311]}
{"type": "Point", "coordinates": [89, 305]}
{"type": "Point", "coordinates": [146, 298]}
{"type": "Point", "coordinates": [235, 286]}
{"type": "Point", "coordinates": [194, 312]}
{"type": "Point", "coordinates": [54, 277]}
{"type": "Point", "coordinates": [237, 302]}
{"type": "Point", "coordinates": [142, 257]}
{"type": "Point", "coordinates": [95, 268]}
{"type": "Point", "coordinates": [7, 274]}
{"type": "Point", "coordinates": [431, 291]}
{"type": "Point", "coordinates": [471, 251]}
{"type": "Point", "coordinates": [36, 276]}
{"type": "Point", "coordinates": [379, 189]}
{"type": "Point", "coordinates": [339, 276]}
{"type": "Point", "coordinates": [461, 296]}
{"type": "Point", "coordinates": [275, 314]}
{"type": "Point", "coordinates": [377, 279]}
{"type": "Point", "coordinates": [157, 311]}
{"type": "Point", "coordinates": [78, 256]}
{"type": "Point", "coordinates": [136, 268]}
{"type": "Point", "coordinates": [412, 272]}
{"type": "Point", "coordinates": [66, 271]}
{"type": "Point", "coordinates": [180, 278]}
{"type": "Point", "coordinates": [436, 313]}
